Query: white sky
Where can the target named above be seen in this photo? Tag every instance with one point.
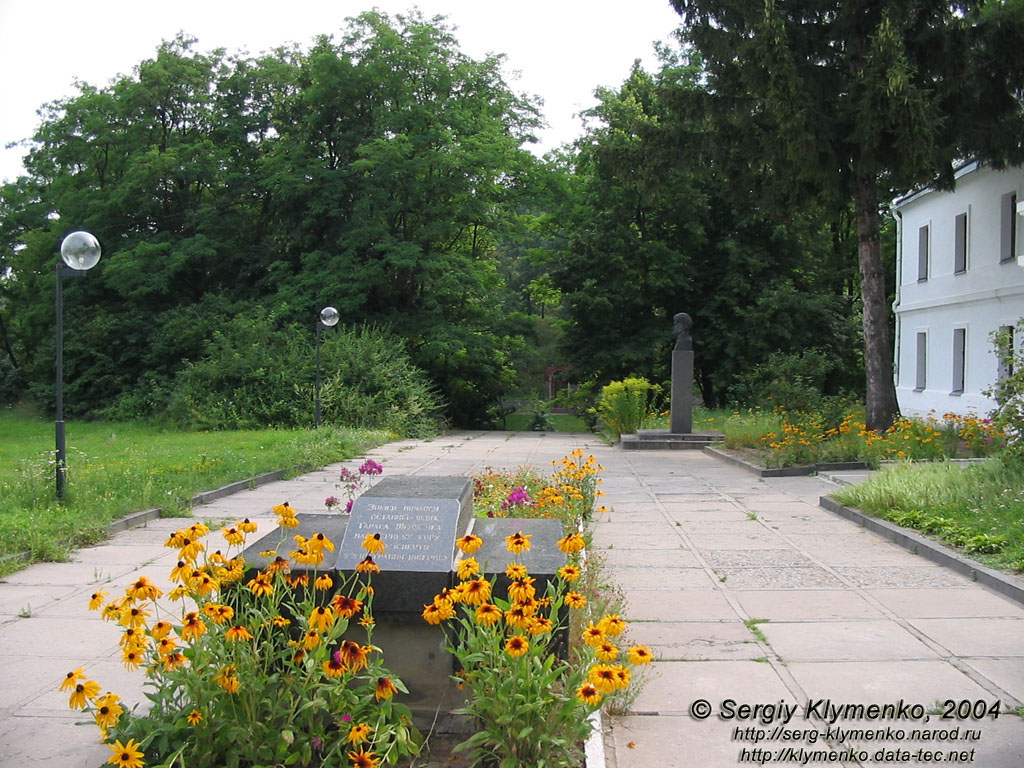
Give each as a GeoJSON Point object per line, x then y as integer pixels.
{"type": "Point", "coordinates": [562, 49]}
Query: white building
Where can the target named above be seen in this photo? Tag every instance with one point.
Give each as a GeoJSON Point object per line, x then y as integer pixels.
{"type": "Point", "coordinates": [959, 277]}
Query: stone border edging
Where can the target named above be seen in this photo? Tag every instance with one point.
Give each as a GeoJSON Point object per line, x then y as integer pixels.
{"type": "Point", "coordinates": [797, 471]}
{"type": "Point", "coordinates": [1006, 585]}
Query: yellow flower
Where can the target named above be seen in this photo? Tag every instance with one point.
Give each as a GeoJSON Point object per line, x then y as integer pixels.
{"type": "Point", "coordinates": [261, 585]}
{"type": "Point", "coordinates": [96, 600]}
{"type": "Point", "coordinates": [346, 607]}
{"type": "Point", "coordinates": [488, 614]}
{"type": "Point", "coordinates": [143, 589]}
{"type": "Point", "coordinates": [593, 635]}
{"type": "Point", "coordinates": [572, 543]}
{"type": "Point", "coordinates": [321, 618]}
{"type": "Point", "coordinates": [438, 611]}
{"type": "Point", "coordinates": [575, 600]}
{"type": "Point", "coordinates": [353, 655]}
{"type": "Point", "coordinates": [476, 591]}
{"type": "Point", "coordinates": [366, 565]}
{"type": "Point", "coordinates": [194, 717]}
{"type": "Point", "coordinates": [603, 677]}
{"type": "Point", "coordinates": [516, 646]}
{"type": "Point", "coordinates": [334, 668]}
{"type": "Point", "coordinates": [90, 689]}
{"type": "Point", "coordinates": [640, 654]}
{"type": "Point", "coordinates": [469, 543]}
{"type": "Point", "coordinates": [569, 572]}
{"type": "Point", "coordinates": [588, 694]}
{"type": "Point", "coordinates": [468, 568]}
{"type": "Point", "coordinates": [363, 759]}
{"type": "Point", "coordinates": [311, 640]}
{"type": "Point", "coordinates": [233, 535]}
{"type": "Point", "coordinates": [539, 625]}
{"type": "Point", "coordinates": [516, 571]}
{"type": "Point", "coordinates": [193, 627]}
{"type": "Point", "coordinates": [518, 542]}
{"type": "Point", "coordinates": [107, 710]}
{"type": "Point", "coordinates": [226, 679]}
{"type": "Point", "coordinates": [606, 651]}
{"type": "Point", "coordinates": [131, 658]}
{"type": "Point", "coordinates": [385, 688]}
{"type": "Point", "coordinates": [126, 755]}
{"type": "Point", "coordinates": [318, 543]}
{"type": "Point", "coordinates": [324, 581]}
{"type": "Point", "coordinates": [238, 632]}
{"type": "Point", "coordinates": [246, 526]}
{"type": "Point", "coordinates": [612, 625]}
{"type": "Point", "coordinates": [373, 544]}
{"type": "Point", "coordinates": [219, 613]}
{"type": "Point", "coordinates": [160, 630]}
{"type": "Point", "coordinates": [359, 733]}
{"type": "Point", "coordinates": [284, 510]}
{"type": "Point", "coordinates": [522, 590]}
{"type": "Point", "coordinates": [72, 678]}
{"type": "Point", "coordinates": [166, 646]}
{"type": "Point", "coordinates": [288, 522]}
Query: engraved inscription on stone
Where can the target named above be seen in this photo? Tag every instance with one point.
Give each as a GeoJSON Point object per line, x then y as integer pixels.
{"type": "Point", "coordinates": [418, 534]}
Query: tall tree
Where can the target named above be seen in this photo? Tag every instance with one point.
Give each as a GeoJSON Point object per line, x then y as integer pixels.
{"type": "Point", "coordinates": [862, 98]}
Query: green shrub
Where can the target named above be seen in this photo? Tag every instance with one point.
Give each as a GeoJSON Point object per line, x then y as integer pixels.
{"type": "Point", "coordinates": [255, 374]}
{"type": "Point", "coordinates": [793, 381]}
{"type": "Point", "coordinates": [625, 405]}
{"type": "Point", "coordinates": [1009, 390]}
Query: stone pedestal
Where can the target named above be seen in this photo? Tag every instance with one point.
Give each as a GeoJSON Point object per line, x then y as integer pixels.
{"type": "Point", "coordinates": [682, 391]}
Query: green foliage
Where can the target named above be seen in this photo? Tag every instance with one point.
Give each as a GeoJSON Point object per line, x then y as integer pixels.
{"type": "Point", "coordinates": [373, 172]}
{"type": "Point", "coordinates": [1009, 390]}
{"type": "Point", "coordinates": [254, 373]}
{"type": "Point", "coordinates": [624, 406]}
{"type": "Point", "coordinates": [793, 381]}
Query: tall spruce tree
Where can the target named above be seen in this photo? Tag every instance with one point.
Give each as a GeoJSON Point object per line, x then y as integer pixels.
{"type": "Point", "coordinates": [864, 98]}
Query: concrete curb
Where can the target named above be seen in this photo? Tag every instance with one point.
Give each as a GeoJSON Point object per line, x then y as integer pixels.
{"type": "Point", "coordinates": [798, 471]}
{"type": "Point", "coordinates": [1004, 584]}
{"type": "Point", "coordinates": [593, 747]}
{"type": "Point", "coordinates": [231, 488]}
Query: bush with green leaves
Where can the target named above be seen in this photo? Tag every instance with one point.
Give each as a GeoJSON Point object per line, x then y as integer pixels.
{"type": "Point", "coordinates": [1008, 392]}
{"type": "Point", "coordinates": [626, 405]}
{"type": "Point", "coordinates": [256, 374]}
{"type": "Point", "coordinates": [794, 381]}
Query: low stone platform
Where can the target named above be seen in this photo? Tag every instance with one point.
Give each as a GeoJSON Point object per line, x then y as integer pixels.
{"type": "Point", "coordinates": [662, 440]}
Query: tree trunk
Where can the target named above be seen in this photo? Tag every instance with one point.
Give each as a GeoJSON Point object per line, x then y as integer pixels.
{"type": "Point", "coordinates": [880, 400]}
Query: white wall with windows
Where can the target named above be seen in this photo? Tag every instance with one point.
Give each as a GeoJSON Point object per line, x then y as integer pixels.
{"type": "Point", "coordinates": [960, 277]}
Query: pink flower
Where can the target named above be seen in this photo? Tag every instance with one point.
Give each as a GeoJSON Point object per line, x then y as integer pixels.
{"type": "Point", "coordinates": [370, 467]}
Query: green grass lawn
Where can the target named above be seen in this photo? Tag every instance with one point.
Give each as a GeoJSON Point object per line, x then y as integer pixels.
{"type": "Point", "coordinates": [978, 509]}
{"type": "Point", "coordinates": [118, 468]}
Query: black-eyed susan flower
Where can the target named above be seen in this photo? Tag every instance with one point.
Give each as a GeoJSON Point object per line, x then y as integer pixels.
{"type": "Point", "coordinates": [133, 616]}
{"type": "Point", "coordinates": [353, 655]}
{"type": "Point", "coordinates": [311, 640]}
{"type": "Point", "coordinates": [366, 565]}
{"type": "Point", "coordinates": [476, 591]}
{"type": "Point", "coordinates": [298, 580]}
{"type": "Point", "coordinates": [517, 618]}
{"type": "Point", "coordinates": [622, 677]}
{"type": "Point", "coordinates": [112, 610]}
{"type": "Point", "coordinates": [126, 755]}
{"type": "Point", "coordinates": [334, 668]}
{"type": "Point", "coordinates": [516, 571]}
{"type": "Point", "coordinates": [606, 651]}
{"type": "Point", "coordinates": [488, 614]}
{"type": "Point", "coordinates": [612, 624]}
{"type": "Point", "coordinates": [321, 618]}
{"type": "Point", "coordinates": [522, 590]}
{"type": "Point", "coordinates": [319, 541]}
{"type": "Point", "coordinates": [227, 680]}
{"type": "Point", "coordinates": [307, 557]}
{"type": "Point", "coordinates": [603, 677]}
{"type": "Point", "coordinates": [193, 628]}
{"type": "Point", "coordinates": [372, 543]}
{"type": "Point", "coordinates": [246, 526]}
{"type": "Point", "coordinates": [588, 694]}
{"type": "Point", "coordinates": [366, 622]}
{"type": "Point", "coordinates": [518, 542]}
{"type": "Point", "coordinates": [195, 717]}
{"type": "Point", "coordinates": [323, 581]}
{"type": "Point", "coordinates": [190, 548]}
{"type": "Point", "coordinates": [385, 689]}
{"type": "Point", "coordinates": [359, 733]}
{"type": "Point", "coordinates": [572, 543]}
{"type": "Point", "coordinates": [178, 593]}
{"type": "Point", "coordinates": [363, 759]}
{"type": "Point", "coordinates": [469, 543]}
{"type": "Point", "coordinates": [539, 625]}
{"type": "Point", "coordinates": [640, 654]}
{"type": "Point", "coordinates": [280, 621]}
{"type": "Point", "coordinates": [131, 658]}
{"type": "Point", "coordinates": [107, 710]}
{"type": "Point", "coordinates": [219, 613]}
{"type": "Point", "coordinates": [436, 613]}
{"type": "Point", "coordinates": [174, 661]}
{"type": "Point", "coordinates": [284, 510]}
{"type": "Point", "coordinates": [96, 600]}
{"type": "Point", "coordinates": [261, 585]}
{"type": "Point", "coordinates": [569, 572]}
{"type": "Point", "coordinates": [72, 678]}
{"type": "Point", "coordinates": [468, 568]}
{"type": "Point", "coordinates": [143, 589]}
{"type": "Point", "coordinates": [575, 600]}
{"type": "Point", "coordinates": [232, 535]}
{"type": "Point", "coordinates": [161, 629]}
{"type": "Point", "coordinates": [528, 605]}
{"type": "Point", "coordinates": [165, 646]}
{"type": "Point", "coordinates": [238, 633]}
{"type": "Point", "coordinates": [134, 638]}
{"type": "Point", "coordinates": [345, 606]}
{"type": "Point", "coordinates": [593, 635]}
{"type": "Point", "coordinates": [89, 689]}
{"type": "Point", "coordinates": [516, 646]}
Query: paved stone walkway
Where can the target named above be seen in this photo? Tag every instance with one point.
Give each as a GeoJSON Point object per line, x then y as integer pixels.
{"type": "Point", "coordinates": [745, 589]}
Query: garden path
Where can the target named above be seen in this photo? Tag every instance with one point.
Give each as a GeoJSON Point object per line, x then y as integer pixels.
{"type": "Point", "coordinates": [744, 588]}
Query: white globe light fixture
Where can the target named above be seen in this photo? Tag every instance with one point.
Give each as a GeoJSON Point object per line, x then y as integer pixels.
{"type": "Point", "coordinates": [328, 319]}
{"type": "Point", "coordinates": [80, 250]}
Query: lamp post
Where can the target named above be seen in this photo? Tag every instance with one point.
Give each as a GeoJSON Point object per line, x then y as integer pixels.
{"type": "Point", "coordinates": [79, 252]}
{"type": "Point", "coordinates": [328, 319]}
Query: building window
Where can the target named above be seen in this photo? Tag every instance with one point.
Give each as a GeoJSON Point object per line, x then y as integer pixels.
{"type": "Point", "coordinates": [922, 254]}
{"type": "Point", "coordinates": [1008, 227]}
{"type": "Point", "coordinates": [922, 362]}
{"type": "Point", "coordinates": [960, 244]}
{"type": "Point", "coordinates": [959, 359]}
{"type": "Point", "coordinates": [1006, 366]}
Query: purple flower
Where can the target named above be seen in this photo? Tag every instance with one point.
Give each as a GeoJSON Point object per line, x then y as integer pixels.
{"type": "Point", "coordinates": [317, 743]}
{"type": "Point", "coordinates": [346, 718]}
{"type": "Point", "coordinates": [331, 502]}
{"type": "Point", "coordinates": [370, 467]}
{"type": "Point", "coordinates": [348, 506]}
{"type": "Point", "coordinates": [346, 475]}
{"type": "Point", "coordinates": [518, 498]}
